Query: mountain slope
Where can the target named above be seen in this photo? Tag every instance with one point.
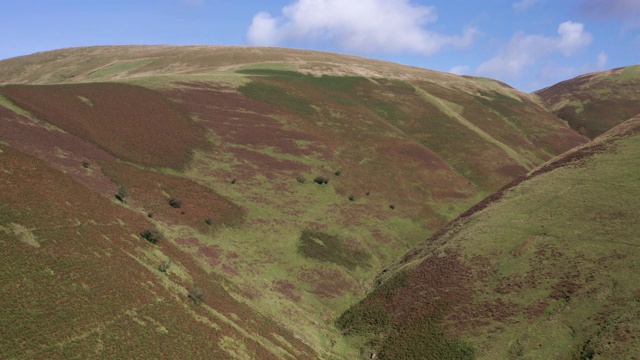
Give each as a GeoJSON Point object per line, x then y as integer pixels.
{"type": "Point", "coordinates": [218, 148]}
{"type": "Point", "coordinates": [544, 268]}
{"type": "Point", "coordinates": [596, 102]}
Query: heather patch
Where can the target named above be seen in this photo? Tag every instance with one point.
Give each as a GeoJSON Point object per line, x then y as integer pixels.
{"type": "Point", "coordinates": [130, 122]}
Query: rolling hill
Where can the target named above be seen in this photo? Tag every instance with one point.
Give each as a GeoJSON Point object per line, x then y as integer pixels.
{"type": "Point", "coordinates": [542, 269]}
{"type": "Point", "coordinates": [594, 103]}
{"type": "Point", "coordinates": [233, 202]}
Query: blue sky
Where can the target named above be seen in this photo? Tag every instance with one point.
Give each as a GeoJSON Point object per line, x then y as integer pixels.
{"type": "Point", "coordinates": [529, 44]}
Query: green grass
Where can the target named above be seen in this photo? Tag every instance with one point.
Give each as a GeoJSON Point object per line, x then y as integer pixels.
{"type": "Point", "coordinates": [13, 107]}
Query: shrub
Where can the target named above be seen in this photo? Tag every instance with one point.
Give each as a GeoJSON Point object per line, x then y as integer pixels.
{"type": "Point", "coordinates": [234, 180]}
{"type": "Point", "coordinates": [301, 179]}
{"type": "Point", "coordinates": [352, 197]}
{"type": "Point", "coordinates": [122, 194]}
{"type": "Point", "coordinates": [392, 206]}
{"type": "Point", "coordinates": [164, 266]}
{"type": "Point", "coordinates": [123, 191]}
{"type": "Point", "coordinates": [196, 295]}
{"type": "Point", "coordinates": [152, 236]}
{"type": "Point", "coordinates": [338, 172]}
{"type": "Point", "coordinates": [175, 203]}
{"type": "Point", "coordinates": [85, 164]}
{"type": "Point", "coordinates": [321, 180]}
{"type": "Point", "coordinates": [208, 221]}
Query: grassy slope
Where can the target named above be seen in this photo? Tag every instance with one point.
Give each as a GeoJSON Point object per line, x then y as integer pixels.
{"type": "Point", "coordinates": [595, 103]}
{"type": "Point", "coordinates": [542, 269]}
{"type": "Point", "coordinates": [398, 136]}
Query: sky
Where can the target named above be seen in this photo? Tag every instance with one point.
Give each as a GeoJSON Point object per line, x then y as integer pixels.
{"type": "Point", "coordinates": [528, 44]}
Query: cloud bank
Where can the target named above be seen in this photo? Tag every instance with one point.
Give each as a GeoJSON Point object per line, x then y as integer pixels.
{"type": "Point", "coordinates": [390, 26]}
{"type": "Point", "coordinates": [524, 51]}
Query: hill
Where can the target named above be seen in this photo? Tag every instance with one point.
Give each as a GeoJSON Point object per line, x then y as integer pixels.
{"type": "Point", "coordinates": [594, 103]}
{"type": "Point", "coordinates": [542, 269]}
{"type": "Point", "coordinates": [279, 181]}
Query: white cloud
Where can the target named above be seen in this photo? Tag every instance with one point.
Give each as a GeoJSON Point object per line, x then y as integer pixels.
{"type": "Point", "coordinates": [460, 70]}
{"type": "Point", "coordinates": [524, 51]}
{"type": "Point", "coordinates": [523, 5]}
{"type": "Point", "coordinates": [603, 59]}
{"type": "Point", "coordinates": [391, 26]}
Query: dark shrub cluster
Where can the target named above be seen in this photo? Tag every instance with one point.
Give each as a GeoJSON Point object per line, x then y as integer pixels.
{"type": "Point", "coordinates": [175, 203]}
{"type": "Point", "coordinates": [196, 295]}
{"type": "Point", "coordinates": [321, 180]}
{"type": "Point", "coordinates": [164, 266]}
{"type": "Point", "coordinates": [122, 193]}
{"type": "Point", "coordinates": [152, 236]}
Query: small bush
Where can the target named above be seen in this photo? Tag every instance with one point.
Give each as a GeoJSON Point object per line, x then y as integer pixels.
{"type": "Point", "coordinates": [85, 164]}
{"type": "Point", "coordinates": [152, 236]}
{"type": "Point", "coordinates": [321, 180]}
{"type": "Point", "coordinates": [196, 295]}
{"type": "Point", "coordinates": [122, 194]}
{"type": "Point", "coordinates": [164, 266]}
{"type": "Point", "coordinates": [352, 197]}
{"type": "Point", "coordinates": [175, 203]}
{"type": "Point", "coordinates": [234, 180]}
{"type": "Point", "coordinates": [392, 206]}
{"type": "Point", "coordinates": [338, 172]}
{"type": "Point", "coordinates": [301, 179]}
{"type": "Point", "coordinates": [208, 221]}
{"type": "Point", "coordinates": [368, 193]}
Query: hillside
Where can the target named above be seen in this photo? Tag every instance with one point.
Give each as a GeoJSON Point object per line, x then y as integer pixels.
{"type": "Point", "coordinates": [594, 103]}
{"type": "Point", "coordinates": [282, 181]}
{"type": "Point", "coordinates": [543, 269]}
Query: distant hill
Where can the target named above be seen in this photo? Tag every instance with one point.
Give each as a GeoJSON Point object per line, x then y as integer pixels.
{"type": "Point", "coordinates": [159, 197]}
{"type": "Point", "coordinates": [542, 269]}
{"type": "Point", "coordinates": [594, 103]}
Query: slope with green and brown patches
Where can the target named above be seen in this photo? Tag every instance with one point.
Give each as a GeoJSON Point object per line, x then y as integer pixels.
{"type": "Point", "coordinates": [542, 269]}
{"type": "Point", "coordinates": [401, 151]}
{"type": "Point", "coordinates": [78, 280]}
{"type": "Point", "coordinates": [594, 103]}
